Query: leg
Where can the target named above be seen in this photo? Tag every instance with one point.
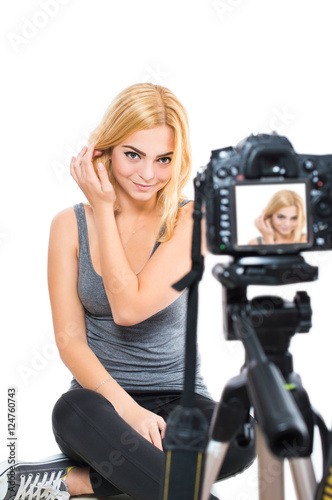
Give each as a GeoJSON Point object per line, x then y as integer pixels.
{"type": "Point", "coordinates": [88, 428]}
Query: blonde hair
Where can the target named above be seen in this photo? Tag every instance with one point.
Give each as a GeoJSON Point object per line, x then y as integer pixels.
{"type": "Point", "coordinates": [287, 198]}
{"type": "Point", "coordinates": [143, 106]}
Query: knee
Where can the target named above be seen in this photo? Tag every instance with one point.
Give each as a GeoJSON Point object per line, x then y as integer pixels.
{"type": "Point", "coordinates": [68, 408]}
{"type": "Point", "coordinates": [76, 408]}
{"type": "Point", "coordinates": [60, 415]}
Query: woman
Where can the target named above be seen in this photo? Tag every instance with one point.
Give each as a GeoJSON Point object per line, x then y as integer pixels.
{"type": "Point", "coordinates": [282, 221]}
{"type": "Point", "coordinates": [119, 325]}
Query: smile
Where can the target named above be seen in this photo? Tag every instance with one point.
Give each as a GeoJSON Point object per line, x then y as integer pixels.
{"type": "Point", "coordinates": [143, 187]}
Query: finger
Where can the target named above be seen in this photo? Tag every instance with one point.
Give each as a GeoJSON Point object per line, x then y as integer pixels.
{"type": "Point", "coordinates": [76, 163]}
{"type": "Point", "coordinates": [146, 434]}
{"type": "Point", "coordinates": [161, 423]}
{"type": "Point", "coordinates": [258, 223]}
{"type": "Point", "coordinates": [156, 437]}
{"type": "Point", "coordinates": [89, 153]}
{"type": "Point", "coordinates": [106, 185]}
{"type": "Point", "coordinates": [162, 429]}
{"type": "Point", "coordinates": [82, 152]}
{"type": "Point", "coordinates": [87, 165]}
{"type": "Point", "coordinates": [81, 155]}
{"type": "Point", "coordinates": [268, 223]}
{"type": "Point", "coordinates": [97, 152]}
{"type": "Point", "coordinates": [73, 169]}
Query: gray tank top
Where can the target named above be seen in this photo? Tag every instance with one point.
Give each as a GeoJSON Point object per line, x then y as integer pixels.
{"type": "Point", "coordinates": [146, 356]}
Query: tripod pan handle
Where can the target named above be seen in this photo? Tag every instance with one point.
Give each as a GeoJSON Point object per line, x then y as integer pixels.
{"type": "Point", "coordinates": [276, 411]}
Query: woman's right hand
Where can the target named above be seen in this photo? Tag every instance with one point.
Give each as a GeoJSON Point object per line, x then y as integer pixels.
{"type": "Point", "coordinates": [97, 188]}
{"type": "Point", "coordinates": [264, 226]}
{"type": "Point", "coordinates": [149, 425]}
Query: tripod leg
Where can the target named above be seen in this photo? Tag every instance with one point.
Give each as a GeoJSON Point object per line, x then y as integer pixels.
{"type": "Point", "coordinates": [229, 416]}
{"type": "Point", "coordinates": [303, 478]}
{"type": "Point", "coordinates": [270, 471]}
{"type": "Point", "coordinates": [215, 455]}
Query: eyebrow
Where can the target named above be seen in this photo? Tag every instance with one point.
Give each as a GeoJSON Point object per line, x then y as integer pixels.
{"type": "Point", "coordinates": [144, 154]}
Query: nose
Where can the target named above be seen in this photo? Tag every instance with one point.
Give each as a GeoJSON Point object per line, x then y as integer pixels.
{"type": "Point", "coordinates": [146, 171]}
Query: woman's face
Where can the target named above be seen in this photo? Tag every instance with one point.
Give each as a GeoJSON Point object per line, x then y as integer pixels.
{"type": "Point", "coordinates": [141, 163]}
{"type": "Point", "coordinates": [285, 220]}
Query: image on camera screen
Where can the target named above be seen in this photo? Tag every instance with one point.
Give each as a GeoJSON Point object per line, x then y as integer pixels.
{"type": "Point", "coordinates": [271, 214]}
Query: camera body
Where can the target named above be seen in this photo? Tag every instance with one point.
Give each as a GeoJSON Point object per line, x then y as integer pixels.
{"type": "Point", "coordinates": [238, 182]}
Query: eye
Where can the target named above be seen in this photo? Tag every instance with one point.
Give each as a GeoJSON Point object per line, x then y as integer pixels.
{"type": "Point", "coordinates": [132, 155]}
{"type": "Point", "coordinates": [165, 160]}
{"type": "Point", "coordinates": [280, 216]}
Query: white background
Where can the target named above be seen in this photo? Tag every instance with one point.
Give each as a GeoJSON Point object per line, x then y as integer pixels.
{"type": "Point", "coordinates": [238, 66]}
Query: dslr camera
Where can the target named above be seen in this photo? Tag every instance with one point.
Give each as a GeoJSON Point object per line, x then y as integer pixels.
{"type": "Point", "coordinates": [240, 183]}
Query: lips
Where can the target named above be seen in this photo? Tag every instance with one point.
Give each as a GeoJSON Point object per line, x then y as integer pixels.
{"type": "Point", "coordinates": [143, 187]}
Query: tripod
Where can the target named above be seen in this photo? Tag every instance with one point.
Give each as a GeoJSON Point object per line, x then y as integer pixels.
{"type": "Point", "coordinates": [285, 419]}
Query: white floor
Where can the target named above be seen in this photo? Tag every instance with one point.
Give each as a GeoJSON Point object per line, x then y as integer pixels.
{"type": "Point", "coordinates": [117, 497]}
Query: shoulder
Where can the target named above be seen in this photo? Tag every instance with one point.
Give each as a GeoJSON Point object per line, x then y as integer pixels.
{"type": "Point", "coordinates": [184, 221]}
{"type": "Point", "coordinates": [186, 212]}
{"type": "Point", "coordinates": [185, 226]}
{"type": "Point", "coordinates": [66, 219]}
{"type": "Point", "coordinates": [64, 229]}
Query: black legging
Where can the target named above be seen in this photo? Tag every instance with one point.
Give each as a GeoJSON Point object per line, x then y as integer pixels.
{"type": "Point", "coordinates": [89, 431]}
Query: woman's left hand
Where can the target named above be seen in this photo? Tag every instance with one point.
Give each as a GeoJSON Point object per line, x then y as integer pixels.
{"type": "Point", "coordinates": [97, 188]}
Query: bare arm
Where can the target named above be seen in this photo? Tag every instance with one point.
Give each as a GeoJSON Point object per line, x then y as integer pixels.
{"type": "Point", "coordinates": [70, 332]}
{"type": "Point", "coordinates": [135, 298]}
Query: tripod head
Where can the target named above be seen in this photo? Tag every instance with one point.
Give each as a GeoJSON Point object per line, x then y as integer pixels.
{"type": "Point", "coordinates": [266, 325]}
{"type": "Point", "coordinates": [274, 319]}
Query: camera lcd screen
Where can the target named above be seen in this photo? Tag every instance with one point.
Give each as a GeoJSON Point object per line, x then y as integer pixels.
{"type": "Point", "coordinates": [271, 214]}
